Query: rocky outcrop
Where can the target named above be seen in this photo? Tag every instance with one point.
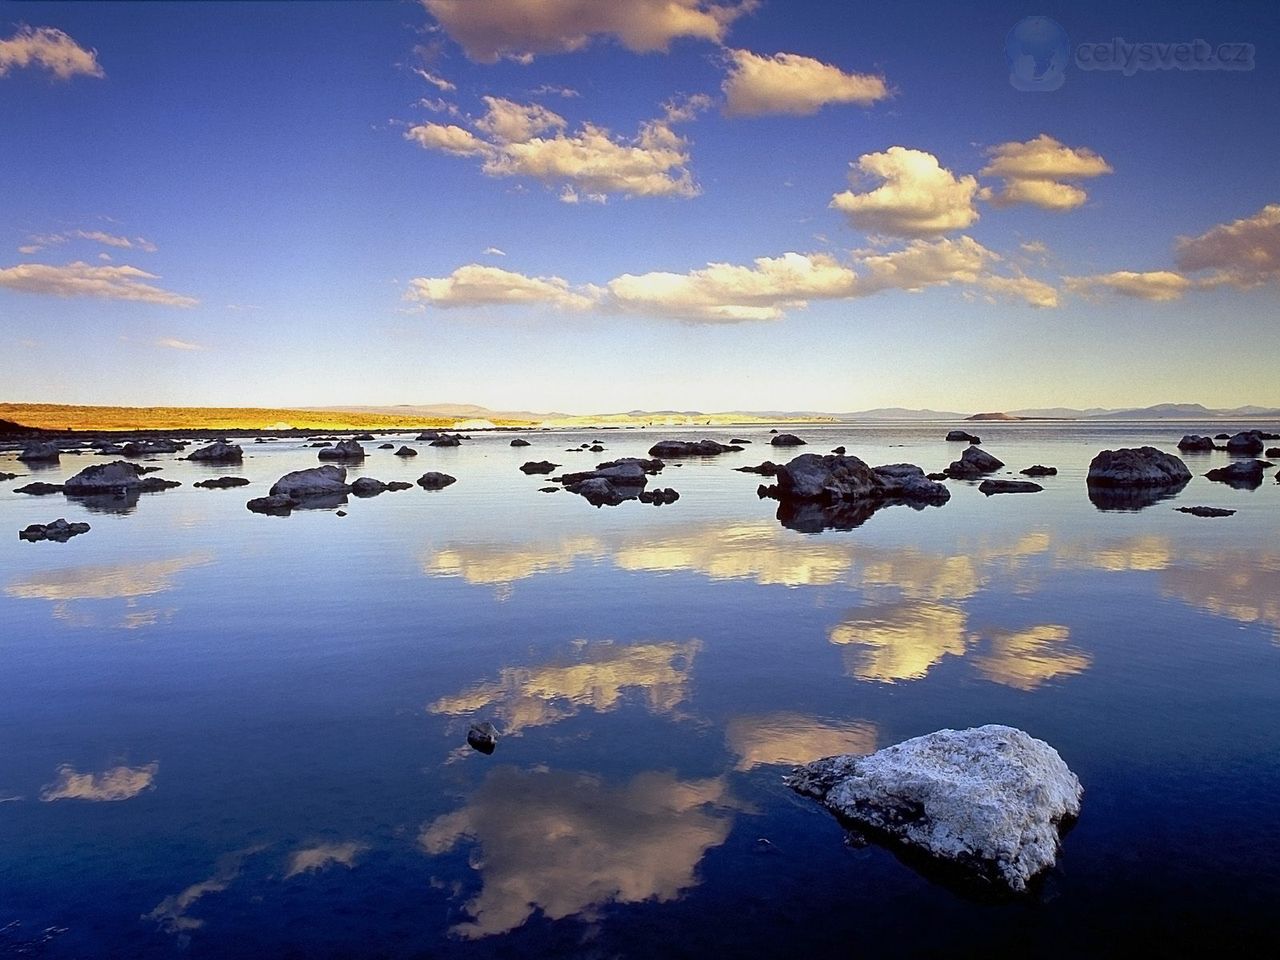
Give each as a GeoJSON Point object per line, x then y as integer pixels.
{"type": "Point", "coordinates": [991, 486]}
{"type": "Point", "coordinates": [786, 440]}
{"type": "Point", "coordinates": [40, 453]}
{"type": "Point", "coordinates": [989, 801]}
{"type": "Point", "coordinates": [434, 480]}
{"type": "Point", "coordinates": [1137, 467]}
{"type": "Point", "coordinates": [520, 442]}
{"type": "Point", "coordinates": [219, 483]}
{"type": "Point", "coordinates": [973, 463]}
{"type": "Point", "coordinates": [1247, 443]}
{"type": "Point", "coordinates": [673, 449]}
{"type": "Point", "coordinates": [219, 452]}
{"type": "Point", "coordinates": [114, 477]}
{"type": "Point", "coordinates": [1038, 470]}
{"type": "Point", "coordinates": [406, 452]}
{"type": "Point", "coordinates": [277, 504]}
{"type": "Point", "coordinates": [538, 466]}
{"type": "Point", "coordinates": [326, 481]}
{"type": "Point", "coordinates": [1206, 511]}
{"type": "Point", "coordinates": [599, 492]}
{"type": "Point", "coordinates": [1245, 474]}
{"type": "Point", "coordinates": [59, 531]}
{"type": "Point", "coordinates": [609, 484]}
{"type": "Point", "coordinates": [483, 737]}
{"type": "Point", "coordinates": [819, 492]}
{"type": "Point", "coordinates": [343, 450]}
{"type": "Point", "coordinates": [445, 442]}
{"type": "Point", "coordinates": [961, 436]}
{"type": "Point", "coordinates": [1195, 442]}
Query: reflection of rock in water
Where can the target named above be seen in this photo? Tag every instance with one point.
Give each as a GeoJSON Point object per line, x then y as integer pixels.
{"type": "Point", "coordinates": [1131, 499]}
{"type": "Point", "coordinates": [565, 842]}
{"type": "Point", "coordinates": [810, 517]}
{"type": "Point", "coordinates": [324, 502]}
{"type": "Point", "coordinates": [122, 501]}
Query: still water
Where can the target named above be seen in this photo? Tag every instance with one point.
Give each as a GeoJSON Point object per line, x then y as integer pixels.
{"type": "Point", "coordinates": [232, 735]}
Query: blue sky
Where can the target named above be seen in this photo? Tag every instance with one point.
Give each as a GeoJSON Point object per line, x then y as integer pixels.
{"type": "Point", "coordinates": [321, 206]}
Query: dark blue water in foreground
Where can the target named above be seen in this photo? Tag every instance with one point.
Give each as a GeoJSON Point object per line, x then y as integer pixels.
{"type": "Point", "coordinates": [230, 735]}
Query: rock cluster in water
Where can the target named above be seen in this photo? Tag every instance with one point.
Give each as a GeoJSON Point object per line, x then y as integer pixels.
{"type": "Point", "coordinates": [988, 800]}
{"type": "Point", "coordinates": [672, 449]}
{"type": "Point", "coordinates": [59, 531]}
{"type": "Point", "coordinates": [973, 463]}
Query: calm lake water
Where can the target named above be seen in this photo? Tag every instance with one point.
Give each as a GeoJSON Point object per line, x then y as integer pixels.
{"type": "Point", "coordinates": [232, 735]}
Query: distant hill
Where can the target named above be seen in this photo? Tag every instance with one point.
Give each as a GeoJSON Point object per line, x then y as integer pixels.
{"type": "Point", "coordinates": [900, 413]}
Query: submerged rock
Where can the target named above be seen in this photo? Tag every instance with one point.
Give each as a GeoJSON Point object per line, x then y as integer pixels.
{"type": "Point", "coordinates": [433, 480]}
{"type": "Point", "coordinates": [787, 440]}
{"type": "Point", "coordinates": [973, 463]}
{"type": "Point", "coordinates": [217, 483]}
{"type": "Point", "coordinates": [278, 504]}
{"type": "Point", "coordinates": [990, 487]}
{"type": "Point", "coordinates": [40, 453]}
{"type": "Point", "coordinates": [690, 448]}
{"type": "Point", "coordinates": [218, 453]}
{"type": "Point", "coordinates": [59, 531]}
{"type": "Point", "coordinates": [343, 450]}
{"type": "Point", "coordinates": [1206, 511]}
{"type": "Point", "coordinates": [988, 800]}
{"type": "Point", "coordinates": [737, 440]}
{"type": "Point", "coordinates": [8, 476]}
{"type": "Point", "coordinates": [483, 737]}
{"type": "Point", "coordinates": [1137, 467]}
{"type": "Point", "coordinates": [1038, 470]}
{"type": "Point", "coordinates": [1246, 443]}
{"type": "Point", "coordinates": [313, 482]}
{"type": "Point", "coordinates": [386, 446]}
{"type": "Point", "coordinates": [766, 469]}
{"type": "Point", "coordinates": [839, 451]}
{"type": "Point", "coordinates": [1246, 474]}
{"type": "Point", "coordinates": [1196, 443]}
{"type": "Point", "coordinates": [538, 466]}
{"type": "Point", "coordinates": [39, 488]}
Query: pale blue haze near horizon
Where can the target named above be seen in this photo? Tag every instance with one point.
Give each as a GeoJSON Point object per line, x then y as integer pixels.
{"type": "Point", "coordinates": [261, 150]}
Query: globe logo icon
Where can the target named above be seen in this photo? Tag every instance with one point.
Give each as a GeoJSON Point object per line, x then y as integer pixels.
{"type": "Point", "coordinates": [1037, 49]}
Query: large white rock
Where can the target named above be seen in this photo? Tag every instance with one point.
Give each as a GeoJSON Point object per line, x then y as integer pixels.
{"type": "Point", "coordinates": [988, 799]}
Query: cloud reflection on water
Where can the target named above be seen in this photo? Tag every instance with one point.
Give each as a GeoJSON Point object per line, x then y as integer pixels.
{"type": "Point", "coordinates": [567, 843]}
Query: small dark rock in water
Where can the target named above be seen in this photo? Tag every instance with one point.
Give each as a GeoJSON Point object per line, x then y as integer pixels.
{"type": "Point", "coordinates": [936, 476]}
{"type": "Point", "coordinates": [766, 469]}
{"type": "Point", "coordinates": [1222, 436]}
{"type": "Point", "coordinates": [59, 531]}
{"type": "Point", "coordinates": [738, 440]}
{"type": "Point", "coordinates": [344, 450]}
{"type": "Point", "coordinates": [786, 440]}
{"type": "Point", "coordinates": [156, 484]}
{"type": "Point", "coordinates": [690, 448]}
{"type": "Point", "coordinates": [218, 453]}
{"type": "Point", "coordinates": [1246, 443]}
{"type": "Point", "coordinates": [598, 492]}
{"type": "Point", "coordinates": [1272, 452]}
{"type": "Point", "coordinates": [989, 487]}
{"type": "Point", "coordinates": [960, 436]}
{"type": "Point", "coordinates": [340, 513]}
{"type": "Point", "coordinates": [324, 443]}
{"type": "Point", "coordinates": [1195, 442]}
{"type": "Point", "coordinates": [1241, 473]}
{"type": "Point", "coordinates": [973, 463]}
{"type": "Point", "coordinates": [596, 448]}
{"type": "Point", "coordinates": [658, 496]}
{"type": "Point", "coordinates": [435, 481]}
{"type": "Point", "coordinates": [279, 504]}
{"type": "Point", "coordinates": [538, 466]}
{"type": "Point", "coordinates": [367, 487]}
{"type": "Point", "coordinates": [1205, 511]}
{"type": "Point", "coordinates": [39, 453]}
{"type": "Point", "coordinates": [39, 488]}
{"type": "Point", "coordinates": [520, 442]}
{"type": "Point", "coordinates": [1039, 471]}
{"type": "Point", "coordinates": [146, 448]}
{"type": "Point", "coordinates": [406, 452]}
{"type": "Point", "coordinates": [218, 483]}
{"type": "Point", "coordinates": [838, 451]}
{"type": "Point", "coordinates": [774, 430]}
{"type": "Point", "coordinates": [445, 442]}
{"type": "Point", "coordinates": [483, 737]}
{"type": "Point", "coordinates": [386, 446]}
{"type": "Point", "coordinates": [365, 436]}
{"type": "Point", "coordinates": [548, 489]}
{"type": "Point", "coordinates": [8, 476]}
{"type": "Point", "coordinates": [427, 435]}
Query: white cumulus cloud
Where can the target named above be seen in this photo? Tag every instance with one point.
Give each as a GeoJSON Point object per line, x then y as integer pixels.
{"type": "Point", "coordinates": [490, 30]}
{"type": "Point", "coordinates": [81, 279]}
{"type": "Point", "coordinates": [791, 83]}
{"type": "Point", "coordinates": [1244, 253]}
{"type": "Point", "coordinates": [479, 285]}
{"type": "Point", "coordinates": [1144, 285]}
{"type": "Point", "coordinates": [918, 197]}
{"type": "Point", "coordinates": [1036, 172]}
{"type": "Point", "coordinates": [51, 49]}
